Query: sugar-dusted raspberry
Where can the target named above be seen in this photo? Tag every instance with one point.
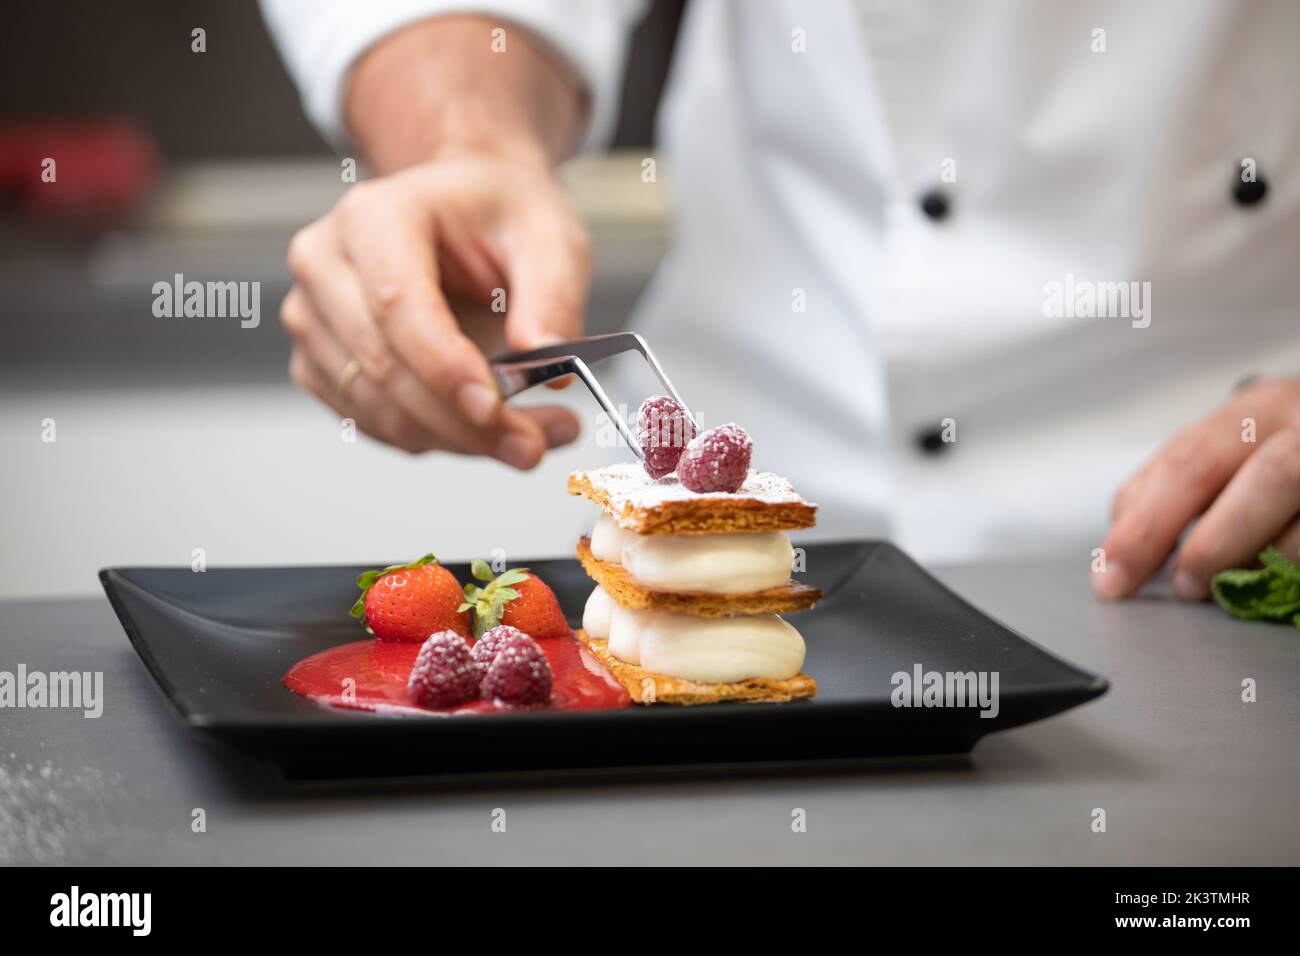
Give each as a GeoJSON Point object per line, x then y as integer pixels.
{"type": "Point", "coordinates": [485, 648]}
{"type": "Point", "coordinates": [444, 674]}
{"type": "Point", "coordinates": [663, 429]}
{"type": "Point", "coordinates": [519, 675]}
{"type": "Point", "coordinates": [717, 460]}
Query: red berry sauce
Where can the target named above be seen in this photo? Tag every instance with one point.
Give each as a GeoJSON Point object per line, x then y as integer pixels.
{"type": "Point", "coordinates": [381, 668]}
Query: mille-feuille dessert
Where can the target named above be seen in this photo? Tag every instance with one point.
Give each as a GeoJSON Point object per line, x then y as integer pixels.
{"type": "Point", "coordinates": [693, 568]}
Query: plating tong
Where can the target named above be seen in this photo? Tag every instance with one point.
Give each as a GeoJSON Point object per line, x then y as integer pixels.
{"type": "Point", "coordinates": [517, 371]}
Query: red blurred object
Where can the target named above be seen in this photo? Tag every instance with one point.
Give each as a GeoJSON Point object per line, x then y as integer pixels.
{"type": "Point", "coordinates": [100, 166]}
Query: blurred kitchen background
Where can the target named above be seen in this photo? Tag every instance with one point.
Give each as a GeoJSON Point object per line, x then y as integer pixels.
{"type": "Point", "coordinates": [171, 434]}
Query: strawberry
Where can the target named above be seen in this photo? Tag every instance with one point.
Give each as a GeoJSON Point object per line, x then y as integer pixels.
{"type": "Point", "coordinates": [517, 598]}
{"type": "Point", "coordinates": [408, 602]}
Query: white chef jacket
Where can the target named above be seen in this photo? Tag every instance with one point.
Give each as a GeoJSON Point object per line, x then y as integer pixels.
{"type": "Point", "coordinates": [817, 293]}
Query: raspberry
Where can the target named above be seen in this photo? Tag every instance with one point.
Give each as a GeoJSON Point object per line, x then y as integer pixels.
{"type": "Point", "coordinates": [444, 674]}
{"type": "Point", "coordinates": [486, 647]}
{"type": "Point", "coordinates": [717, 460]}
{"type": "Point", "coordinates": [663, 429]}
{"type": "Point", "coordinates": [519, 675]}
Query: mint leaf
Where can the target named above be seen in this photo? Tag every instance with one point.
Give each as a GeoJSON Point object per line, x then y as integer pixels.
{"type": "Point", "coordinates": [1283, 598]}
{"type": "Point", "coordinates": [1277, 562]}
{"type": "Point", "coordinates": [1270, 593]}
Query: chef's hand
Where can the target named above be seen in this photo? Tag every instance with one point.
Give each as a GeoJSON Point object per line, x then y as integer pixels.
{"type": "Point", "coordinates": [372, 282]}
{"type": "Point", "coordinates": [467, 209]}
{"type": "Point", "coordinates": [1247, 494]}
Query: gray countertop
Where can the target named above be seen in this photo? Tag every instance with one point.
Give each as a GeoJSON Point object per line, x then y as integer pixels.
{"type": "Point", "coordinates": [1186, 772]}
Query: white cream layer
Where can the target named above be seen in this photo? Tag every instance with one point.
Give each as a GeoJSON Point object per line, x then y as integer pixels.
{"type": "Point", "coordinates": [596, 615]}
{"type": "Point", "coordinates": [607, 540]}
{"type": "Point", "coordinates": [625, 628]}
{"type": "Point", "coordinates": [715, 563]}
{"type": "Point", "coordinates": [709, 650]}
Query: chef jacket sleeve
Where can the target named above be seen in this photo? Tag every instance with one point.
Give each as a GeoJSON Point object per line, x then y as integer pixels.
{"type": "Point", "coordinates": [321, 39]}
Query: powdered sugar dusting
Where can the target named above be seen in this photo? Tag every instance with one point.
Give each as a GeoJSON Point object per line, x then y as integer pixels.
{"type": "Point", "coordinates": [630, 488]}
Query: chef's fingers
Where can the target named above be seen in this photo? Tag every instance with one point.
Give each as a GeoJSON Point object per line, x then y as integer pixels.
{"type": "Point", "coordinates": [1253, 414]}
{"type": "Point", "coordinates": [1288, 542]}
{"type": "Point", "coordinates": [318, 267]}
{"type": "Point", "coordinates": [318, 364]}
{"type": "Point", "coordinates": [389, 237]}
{"type": "Point", "coordinates": [335, 294]}
{"type": "Point", "coordinates": [1179, 483]}
{"type": "Point", "coordinates": [391, 410]}
{"type": "Point", "coordinates": [379, 421]}
{"type": "Point", "coordinates": [559, 424]}
{"type": "Point", "coordinates": [1257, 505]}
{"type": "Point", "coordinates": [548, 268]}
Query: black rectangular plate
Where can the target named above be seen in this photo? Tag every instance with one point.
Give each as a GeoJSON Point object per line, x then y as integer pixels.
{"type": "Point", "coordinates": [218, 643]}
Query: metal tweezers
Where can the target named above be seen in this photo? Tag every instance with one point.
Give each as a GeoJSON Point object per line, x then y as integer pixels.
{"type": "Point", "coordinates": [516, 371]}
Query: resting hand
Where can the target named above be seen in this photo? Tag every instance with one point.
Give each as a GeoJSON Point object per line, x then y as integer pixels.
{"type": "Point", "coordinates": [1239, 470]}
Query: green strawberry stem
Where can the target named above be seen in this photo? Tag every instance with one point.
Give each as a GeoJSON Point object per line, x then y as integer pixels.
{"type": "Point", "coordinates": [489, 602]}
{"type": "Point", "coordinates": [368, 580]}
